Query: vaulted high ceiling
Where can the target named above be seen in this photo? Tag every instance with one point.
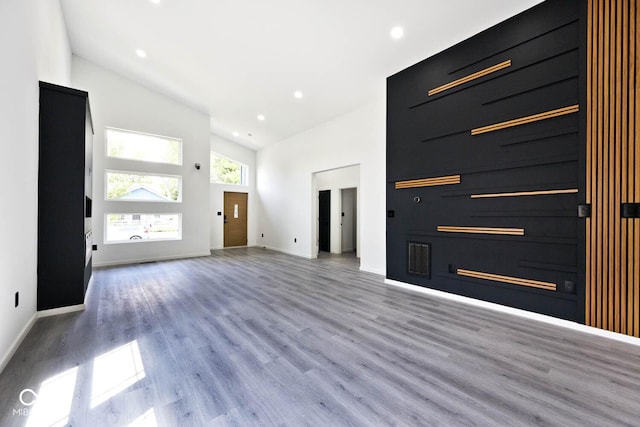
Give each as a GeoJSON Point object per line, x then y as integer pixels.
{"type": "Point", "coordinates": [237, 59]}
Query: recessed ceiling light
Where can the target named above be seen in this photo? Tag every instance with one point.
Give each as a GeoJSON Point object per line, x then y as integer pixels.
{"type": "Point", "coordinates": [154, 1]}
{"type": "Point", "coordinates": [236, 134]}
{"type": "Point", "coordinates": [298, 94]}
{"type": "Point", "coordinates": [141, 53]}
{"type": "Point", "coordinates": [397, 33]}
{"type": "Point", "coordinates": [260, 117]}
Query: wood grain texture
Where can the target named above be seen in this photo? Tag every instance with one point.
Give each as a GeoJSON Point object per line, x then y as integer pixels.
{"type": "Point", "coordinates": [558, 112]}
{"type": "Point", "coordinates": [612, 166]}
{"type": "Point", "coordinates": [252, 337]}
{"type": "Point", "coordinates": [428, 182]}
{"type": "Point", "coordinates": [525, 193]}
{"type": "Point", "coordinates": [471, 77]}
{"type": "Point", "coordinates": [507, 279]}
{"type": "Point", "coordinates": [481, 230]}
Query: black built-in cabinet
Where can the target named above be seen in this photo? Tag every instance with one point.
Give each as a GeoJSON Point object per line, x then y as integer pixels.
{"type": "Point", "coordinates": [485, 165]}
{"type": "Point", "coordinates": [64, 196]}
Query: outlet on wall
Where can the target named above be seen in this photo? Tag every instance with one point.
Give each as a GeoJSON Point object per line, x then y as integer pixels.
{"type": "Point", "coordinates": [17, 298]}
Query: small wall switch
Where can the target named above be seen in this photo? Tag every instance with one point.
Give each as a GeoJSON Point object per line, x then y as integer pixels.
{"type": "Point", "coordinates": [17, 298]}
{"type": "Point", "coordinates": [295, 240]}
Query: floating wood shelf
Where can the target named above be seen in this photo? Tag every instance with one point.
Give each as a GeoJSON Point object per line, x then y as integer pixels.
{"type": "Point", "coordinates": [481, 230]}
{"type": "Point", "coordinates": [429, 182]}
{"type": "Point", "coordinates": [470, 77]}
{"type": "Point", "coordinates": [527, 119]}
{"type": "Point", "coordinates": [525, 193]}
{"type": "Point", "coordinates": [507, 279]}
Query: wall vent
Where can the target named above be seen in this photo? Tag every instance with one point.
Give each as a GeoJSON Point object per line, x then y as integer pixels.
{"type": "Point", "coordinates": [420, 259]}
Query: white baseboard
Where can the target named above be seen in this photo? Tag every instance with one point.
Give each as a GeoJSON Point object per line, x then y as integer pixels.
{"type": "Point", "coordinates": [141, 260]}
{"type": "Point", "coordinates": [286, 252]}
{"type": "Point", "coordinates": [517, 312]}
{"type": "Point", "coordinates": [373, 270]}
{"type": "Point", "coordinates": [16, 342]}
{"type": "Point", "coordinates": [61, 310]}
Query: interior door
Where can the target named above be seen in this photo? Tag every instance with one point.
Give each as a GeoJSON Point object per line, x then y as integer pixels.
{"type": "Point", "coordinates": [324, 218]}
{"type": "Point", "coordinates": [235, 219]}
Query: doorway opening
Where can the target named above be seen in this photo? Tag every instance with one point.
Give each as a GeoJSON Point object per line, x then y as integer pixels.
{"type": "Point", "coordinates": [348, 220]}
{"type": "Point", "coordinates": [235, 219]}
{"type": "Point", "coordinates": [336, 211]}
{"type": "Point", "coordinates": [324, 221]}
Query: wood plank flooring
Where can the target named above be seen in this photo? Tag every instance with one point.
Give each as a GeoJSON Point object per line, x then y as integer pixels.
{"type": "Point", "coordinates": [251, 337]}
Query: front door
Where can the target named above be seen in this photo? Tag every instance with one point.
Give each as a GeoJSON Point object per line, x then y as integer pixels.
{"type": "Point", "coordinates": [235, 219]}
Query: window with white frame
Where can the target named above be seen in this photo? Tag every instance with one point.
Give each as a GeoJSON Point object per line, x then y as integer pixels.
{"type": "Point", "coordinates": [130, 145]}
{"type": "Point", "coordinates": [227, 171]}
{"type": "Point", "coordinates": [137, 227]}
{"type": "Point", "coordinates": [151, 186]}
{"type": "Point", "coordinates": [134, 186]}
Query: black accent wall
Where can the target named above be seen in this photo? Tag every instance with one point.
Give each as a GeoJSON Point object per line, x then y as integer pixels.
{"type": "Point", "coordinates": [489, 171]}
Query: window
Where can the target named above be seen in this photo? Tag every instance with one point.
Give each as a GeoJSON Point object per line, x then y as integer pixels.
{"type": "Point", "coordinates": [151, 186]}
{"type": "Point", "coordinates": [128, 227]}
{"type": "Point", "coordinates": [131, 145]}
{"type": "Point", "coordinates": [225, 171]}
{"type": "Point", "coordinates": [135, 186]}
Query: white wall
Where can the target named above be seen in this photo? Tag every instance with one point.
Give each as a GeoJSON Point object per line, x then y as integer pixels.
{"type": "Point", "coordinates": [34, 43]}
{"type": "Point", "coordinates": [334, 180]}
{"type": "Point", "coordinates": [247, 157]}
{"type": "Point", "coordinates": [286, 190]}
{"type": "Point", "coordinates": [121, 103]}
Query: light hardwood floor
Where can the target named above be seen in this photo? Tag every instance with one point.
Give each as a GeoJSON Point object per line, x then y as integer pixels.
{"type": "Point", "coordinates": [251, 337]}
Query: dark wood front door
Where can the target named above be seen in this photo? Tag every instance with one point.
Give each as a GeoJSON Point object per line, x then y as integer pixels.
{"type": "Point", "coordinates": [235, 219]}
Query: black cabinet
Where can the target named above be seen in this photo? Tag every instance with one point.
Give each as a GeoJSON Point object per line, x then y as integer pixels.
{"type": "Point", "coordinates": [64, 196]}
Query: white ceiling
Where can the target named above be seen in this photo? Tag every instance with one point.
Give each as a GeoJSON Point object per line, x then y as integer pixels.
{"type": "Point", "coordinates": [235, 59]}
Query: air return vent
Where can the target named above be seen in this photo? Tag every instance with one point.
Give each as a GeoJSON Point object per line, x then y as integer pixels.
{"type": "Point", "coordinates": [420, 259]}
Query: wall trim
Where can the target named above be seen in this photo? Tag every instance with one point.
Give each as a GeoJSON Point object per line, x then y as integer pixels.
{"type": "Point", "coordinates": [152, 259]}
{"type": "Point", "coordinates": [61, 310]}
{"type": "Point", "coordinates": [6, 358]}
{"type": "Point", "coordinates": [373, 270]}
{"type": "Point", "coordinates": [271, 248]}
{"type": "Point", "coordinates": [567, 324]}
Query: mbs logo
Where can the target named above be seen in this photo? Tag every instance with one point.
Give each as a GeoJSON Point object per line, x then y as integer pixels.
{"type": "Point", "coordinates": [28, 398]}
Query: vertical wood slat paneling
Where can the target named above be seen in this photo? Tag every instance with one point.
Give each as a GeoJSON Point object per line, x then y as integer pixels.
{"type": "Point", "coordinates": [636, 179]}
{"type": "Point", "coordinates": [613, 166]}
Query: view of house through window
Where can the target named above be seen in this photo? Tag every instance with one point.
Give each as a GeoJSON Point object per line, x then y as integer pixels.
{"type": "Point", "coordinates": [131, 145]}
{"type": "Point", "coordinates": [225, 171]}
{"type": "Point", "coordinates": [143, 188]}
{"type": "Point", "coordinates": [151, 186]}
{"type": "Point", "coordinates": [126, 227]}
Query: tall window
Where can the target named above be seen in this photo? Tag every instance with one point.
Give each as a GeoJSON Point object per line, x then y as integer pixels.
{"type": "Point", "coordinates": [226, 171]}
{"type": "Point", "coordinates": [131, 147]}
